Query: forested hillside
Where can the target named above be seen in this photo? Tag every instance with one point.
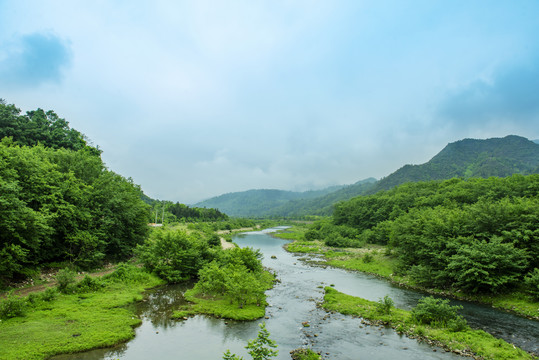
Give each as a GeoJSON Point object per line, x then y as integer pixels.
{"type": "Point", "coordinates": [58, 202]}
{"type": "Point", "coordinates": [465, 159]}
{"type": "Point", "coordinates": [471, 158]}
{"type": "Point", "coordinates": [476, 235]}
{"type": "Point", "coordinates": [322, 205]}
{"type": "Point", "coordinates": [259, 203]}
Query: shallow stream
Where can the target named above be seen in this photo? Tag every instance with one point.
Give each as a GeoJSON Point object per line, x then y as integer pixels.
{"type": "Point", "coordinates": [292, 302]}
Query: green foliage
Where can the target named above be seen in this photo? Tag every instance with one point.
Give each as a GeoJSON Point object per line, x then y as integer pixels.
{"type": "Point", "coordinates": [477, 342]}
{"type": "Point", "coordinates": [236, 274]}
{"type": "Point", "coordinates": [59, 203]}
{"type": "Point", "coordinates": [477, 236]}
{"type": "Point", "coordinates": [260, 348]}
{"type": "Point", "coordinates": [11, 307]}
{"type": "Point", "coordinates": [385, 305]}
{"type": "Point", "coordinates": [532, 283]}
{"type": "Point", "coordinates": [88, 284]}
{"type": "Point", "coordinates": [486, 266]}
{"type": "Point", "coordinates": [38, 126]}
{"type": "Point", "coordinates": [470, 158]}
{"type": "Point", "coordinates": [65, 279]}
{"type": "Point", "coordinates": [98, 319]}
{"type": "Point", "coordinates": [304, 354]}
{"type": "Point", "coordinates": [174, 255]}
{"type": "Point", "coordinates": [433, 311]}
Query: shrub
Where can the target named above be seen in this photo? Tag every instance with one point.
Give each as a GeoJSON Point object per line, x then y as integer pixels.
{"type": "Point", "coordinates": [457, 324]}
{"type": "Point", "coordinates": [174, 255]}
{"type": "Point", "coordinates": [532, 283]}
{"type": "Point", "coordinates": [89, 284]}
{"type": "Point", "coordinates": [126, 273]}
{"type": "Point", "coordinates": [12, 307]}
{"type": "Point", "coordinates": [49, 294]}
{"type": "Point", "coordinates": [385, 305]}
{"type": "Point", "coordinates": [65, 279]}
{"type": "Point", "coordinates": [430, 310]}
{"type": "Point", "coordinates": [214, 240]}
{"type": "Point", "coordinates": [368, 257]}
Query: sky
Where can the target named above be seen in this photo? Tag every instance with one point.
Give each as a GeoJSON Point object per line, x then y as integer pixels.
{"type": "Point", "coordinates": [194, 99]}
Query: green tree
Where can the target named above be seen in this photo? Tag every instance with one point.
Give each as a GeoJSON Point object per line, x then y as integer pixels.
{"type": "Point", "coordinates": [260, 348]}
{"type": "Point", "coordinates": [487, 267]}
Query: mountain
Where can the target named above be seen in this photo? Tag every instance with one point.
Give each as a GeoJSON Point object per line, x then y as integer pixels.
{"type": "Point", "coordinates": [464, 159]}
{"type": "Point", "coordinates": [322, 205]}
{"type": "Point", "coordinates": [259, 202]}
{"type": "Point", "coordinates": [471, 158]}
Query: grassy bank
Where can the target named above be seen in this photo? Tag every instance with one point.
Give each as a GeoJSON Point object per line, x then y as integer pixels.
{"type": "Point", "coordinates": [222, 306]}
{"type": "Point", "coordinates": [54, 323]}
{"type": "Point", "coordinates": [378, 260]}
{"type": "Point", "coordinates": [219, 307]}
{"type": "Point", "coordinates": [476, 343]}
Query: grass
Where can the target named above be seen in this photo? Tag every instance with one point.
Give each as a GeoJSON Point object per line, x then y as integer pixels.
{"type": "Point", "coordinates": [314, 247]}
{"type": "Point", "coordinates": [378, 264]}
{"type": "Point", "coordinates": [304, 354]}
{"type": "Point", "coordinates": [293, 233]}
{"type": "Point", "coordinates": [74, 322]}
{"type": "Point", "coordinates": [222, 306]}
{"type": "Point", "coordinates": [473, 342]}
{"type": "Point", "coordinates": [218, 307]}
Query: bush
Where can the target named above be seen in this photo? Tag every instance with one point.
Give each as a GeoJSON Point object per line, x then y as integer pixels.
{"type": "Point", "coordinates": [458, 324]}
{"type": "Point", "coordinates": [532, 283]}
{"type": "Point", "coordinates": [89, 284]}
{"type": "Point", "coordinates": [12, 307]}
{"type": "Point", "coordinates": [367, 258]}
{"type": "Point", "coordinates": [385, 305]}
{"type": "Point", "coordinates": [487, 267]}
{"type": "Point", "coordinates": [432, 311]}
{"type": "Point", "coordinates": [65, 279]}
{"type": "Point", "coordinates": [48, 295]}
{"type": "Point", "coordinates": [174, 255]}
{"type": "Point", "coordinates": [214, 240]}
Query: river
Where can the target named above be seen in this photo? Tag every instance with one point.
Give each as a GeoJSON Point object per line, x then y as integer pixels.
{"type": "Point", "coordinates": [291, 302]}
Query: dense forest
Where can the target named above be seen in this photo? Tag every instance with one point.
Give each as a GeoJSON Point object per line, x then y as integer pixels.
{"type": "Point", "coordinates": [475, 235]}
{"type": "Point", "coordinates": [59, 203]}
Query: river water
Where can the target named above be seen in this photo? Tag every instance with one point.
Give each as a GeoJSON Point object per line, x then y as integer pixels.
{"type": "Point", "coordinates": [292, 302]}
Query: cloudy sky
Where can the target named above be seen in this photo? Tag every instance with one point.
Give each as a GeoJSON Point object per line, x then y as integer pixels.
{"type": "Point", "coordinates": [194, 99]}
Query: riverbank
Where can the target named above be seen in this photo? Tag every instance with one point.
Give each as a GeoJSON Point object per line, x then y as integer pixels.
{"type": "Point", "coordinates": [223, 306]}
{"type": "Point", "coordinates": [86, 318]}
{"type": "Point", "coordinates": [378, 260]}
{"type": "Point", "coordinates": [467, 342]}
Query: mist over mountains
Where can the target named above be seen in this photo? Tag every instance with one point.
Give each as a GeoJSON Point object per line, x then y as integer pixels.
{"type": "Point", "coordinates": [467, 158]}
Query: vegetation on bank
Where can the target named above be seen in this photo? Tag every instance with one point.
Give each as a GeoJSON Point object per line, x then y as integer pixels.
{"type": "Point", "coordinates": [432, 319]}
{"type": "Point", "coordinates": [474, 239]}
{"type": "Point", "coordinates": [231, 283]}
{"type": "Point", "coordinates": [74, 317]}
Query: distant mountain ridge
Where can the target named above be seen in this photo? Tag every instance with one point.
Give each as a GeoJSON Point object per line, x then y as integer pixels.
{"type": "Point", "coordinates": [258, 202]}
{"type": "Point", "coordinates": [464, 159]}
{"type": "Point", "coordinates": [471, 158]}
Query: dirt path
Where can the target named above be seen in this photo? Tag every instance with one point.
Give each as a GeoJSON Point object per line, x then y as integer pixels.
{"type": "Point", "coordinates": [51, 282]}
{"type": "Point", "coordinates": [226, 245]}
{"type": "Point", "coordinates": [221, 232]}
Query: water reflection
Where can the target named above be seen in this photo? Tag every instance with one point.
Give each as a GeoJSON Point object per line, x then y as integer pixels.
{"type": "Point", "coordinates": [292, 301]}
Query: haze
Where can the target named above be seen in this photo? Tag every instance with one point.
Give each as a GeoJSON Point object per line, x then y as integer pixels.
{"type": "Point", "coordinates": [194, 99]}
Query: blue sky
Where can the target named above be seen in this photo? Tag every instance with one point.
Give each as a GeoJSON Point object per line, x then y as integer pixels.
{"type": "Point", "coordinates": [194, 99]}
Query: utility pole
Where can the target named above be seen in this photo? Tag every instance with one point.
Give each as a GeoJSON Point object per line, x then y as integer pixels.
{"type": "Point", "coordinates": [163, 216]}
